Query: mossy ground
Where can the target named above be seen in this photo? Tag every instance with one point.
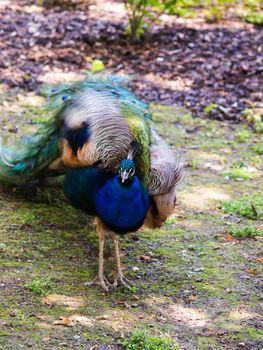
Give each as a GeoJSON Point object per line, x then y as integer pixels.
{"type": "Point", "coordinates": [194, 282]}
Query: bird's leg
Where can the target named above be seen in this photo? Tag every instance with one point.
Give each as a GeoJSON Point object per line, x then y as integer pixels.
{"type": "Point", "coordinates": [102, 236]}
{"type": "Point", "coordinates": [120, 277]}
{"type": "Point", "coordinates": [101, 279]}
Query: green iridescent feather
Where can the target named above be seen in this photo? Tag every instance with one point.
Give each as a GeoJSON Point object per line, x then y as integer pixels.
{"type": "Point", "coordinates": [32, 157]}
{"type": "Point", "coordinates": [136, 119]}
{"type": "Point", "coordinates": [135, 111]}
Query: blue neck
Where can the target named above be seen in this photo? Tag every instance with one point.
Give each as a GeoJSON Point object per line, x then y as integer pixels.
{"type": "Point", "coordinates": [121, 206]}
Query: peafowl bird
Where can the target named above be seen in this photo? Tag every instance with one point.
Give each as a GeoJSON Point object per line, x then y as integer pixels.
{"type": "Point", "coordinates": [117, 168]}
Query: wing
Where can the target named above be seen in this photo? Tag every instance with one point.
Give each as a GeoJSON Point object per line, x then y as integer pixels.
{"type": "Point", "coordinates": [94, 121]}
{"type": "Point", "coordinates": [165, 173]}
{"type": "Point", "coordinates": [101, 119]}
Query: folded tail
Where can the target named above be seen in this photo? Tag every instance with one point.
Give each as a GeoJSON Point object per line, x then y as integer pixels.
{"type": "Point", "coordinates": [31, 157]}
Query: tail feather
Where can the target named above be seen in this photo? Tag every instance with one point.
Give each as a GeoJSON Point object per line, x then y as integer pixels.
{"type": "Point", "coordinates": [32, 156]}
{"type": "Point", "coordinates": [60, 96]}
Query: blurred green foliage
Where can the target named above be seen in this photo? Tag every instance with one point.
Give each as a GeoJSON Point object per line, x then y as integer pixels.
{"type": "Point", "coordinates": [142, 13]}
{"type": "Point", "coordinates": [255, 18]}
{"type": "Point", "coordinates": [245, 231]}
{"type": "Point", "coordinates": [249, 206]}
{"type": "Point", "coordinates": [142, 340]}
{"type": "Point", "coordinates": [41, 285]}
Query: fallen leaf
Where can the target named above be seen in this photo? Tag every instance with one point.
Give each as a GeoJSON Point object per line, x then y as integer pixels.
{"type": "Point", "coordinates": [191, 298]}
{"type": "Point", "coordinates": [212, 333]}
{"type": "Point", "coordinates": [253, 272]}
{"type": "Point", "coordinates": [64, 321]}
{"type": "Point", "coordinates": [254, 210]}
{"type": "Point", "coordinates": [260, 260]}
{"type": "Point", "coordinates": [103, 317]}
{"type": "Point", "coordinates": [44, 317]}
{"type": "Point", "coordinates": [147, 257]}
{"type": "Point", "coordinates": [229, 237]}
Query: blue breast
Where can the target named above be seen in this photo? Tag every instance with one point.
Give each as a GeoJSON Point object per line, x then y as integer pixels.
{"type": "Point", "coordinates": [122, 207]}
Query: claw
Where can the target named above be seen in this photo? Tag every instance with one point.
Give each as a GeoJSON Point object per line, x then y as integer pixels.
{"type": "Point", "coordinates": [103, 283]}
{"type": "Point", "coordinates": [122, 280]}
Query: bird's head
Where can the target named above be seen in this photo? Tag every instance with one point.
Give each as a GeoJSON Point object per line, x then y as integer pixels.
{"type": "Point", "coordinates": [127, 170]}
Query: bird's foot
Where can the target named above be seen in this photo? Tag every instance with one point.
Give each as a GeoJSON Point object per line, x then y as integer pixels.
{"type": "Point", "coordinates": [103, 282]}
{"type": "Point", "coordinates": [121, 280]}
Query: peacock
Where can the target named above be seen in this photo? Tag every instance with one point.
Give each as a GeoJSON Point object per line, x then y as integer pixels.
{"type": "Point", "coordinates": [117, 168]}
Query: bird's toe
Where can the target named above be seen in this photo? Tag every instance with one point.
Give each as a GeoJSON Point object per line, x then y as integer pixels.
{"type": "Point", "coordinates": [102, 282]}
{"type": "Point", "coordinates": [122, 281]}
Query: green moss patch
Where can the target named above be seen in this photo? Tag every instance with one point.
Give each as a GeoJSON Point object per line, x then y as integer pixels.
{"type": "Point", "coordinates": [142, 340]}
{"type": "Point", "coordinates": [244, 231]}
{"type": "Point", "coordinates": [41, 286]}
{"type": "Point", "coordinates": [249, 206]}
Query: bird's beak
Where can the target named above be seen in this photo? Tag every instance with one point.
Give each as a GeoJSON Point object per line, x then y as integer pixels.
{"type": "Point", "coordinates": [124, 176]}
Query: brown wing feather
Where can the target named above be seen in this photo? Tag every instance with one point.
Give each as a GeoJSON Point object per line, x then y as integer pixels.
{"type": "Point", "coordinates": [166, 172]}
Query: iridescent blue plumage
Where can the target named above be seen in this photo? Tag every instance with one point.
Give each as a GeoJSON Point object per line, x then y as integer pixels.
{"type": "Point", "coordinates": [81, 184]}
{"type": "Point", "coordinates": [121, 206]}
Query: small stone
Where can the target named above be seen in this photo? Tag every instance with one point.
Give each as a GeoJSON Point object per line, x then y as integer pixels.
{"type": "Point", "coordinates": [2, 246]}
{"type": "Point", "coordinates": [29, 344]}
{"type": "Point", "coordinates": [199, 280]}
{"type": "Point", "coordinates": [45, 339]}
{"type": "Point", "coordinates": [207, 165]}
{"type": "Point", "coordinates": [186, 291]}
{"type": "Point", "coordinates": [241, 344]}
{"type": "Point", "coordinates": [134, 305]}
{"type": "Point", "coordinates": [135, 238]}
